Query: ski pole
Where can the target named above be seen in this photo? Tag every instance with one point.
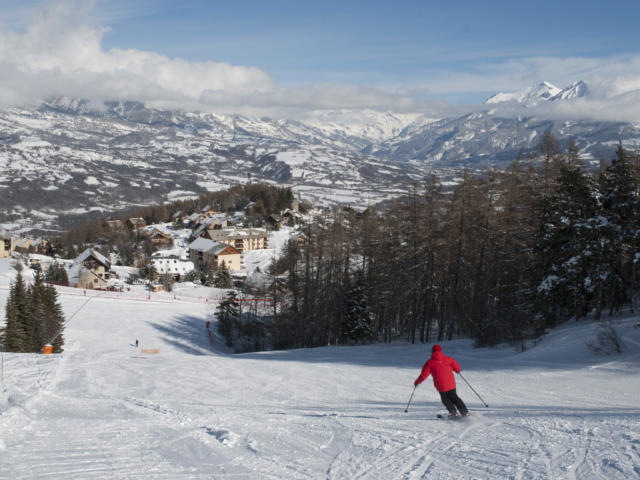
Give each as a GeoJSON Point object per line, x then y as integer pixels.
{"type": "Point", "coordinates": [410, 398]}
{"type": "Point", "coordinates": [478, 395]}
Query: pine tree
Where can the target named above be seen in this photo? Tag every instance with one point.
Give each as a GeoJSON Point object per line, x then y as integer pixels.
{"type": "Point", "coordinates": [228, 316]}
{"type": "Point", "coordinates": [17, 313]}
{"type": "Point", "coordinates": [38, 314]}
{"type": "Point", "coordinates": [53, 320]}
{"type": "Point", "coordinates": [358, 322]}
{"type": "Point", "coordinates": [56, 273]}
{"type": "Point", "coordinates": [620, 207]}
{"type": "Point", "coordinates": [569, 248]}
{"type": "Point", "coordinates": [222, 277]}
{"type": "Point", "coordinates": [33, 317]}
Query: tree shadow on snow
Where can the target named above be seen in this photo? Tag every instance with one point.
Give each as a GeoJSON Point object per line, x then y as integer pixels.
{"type": "Point", "coordinates": [366, 355]}
{"type": "Point", "coordinates": [471, 359]}
{"type": "Point", "coordinates": [186, 333]}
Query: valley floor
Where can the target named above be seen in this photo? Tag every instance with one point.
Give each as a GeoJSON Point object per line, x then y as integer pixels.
{"type": "Point", "coordinates": [104, 409]}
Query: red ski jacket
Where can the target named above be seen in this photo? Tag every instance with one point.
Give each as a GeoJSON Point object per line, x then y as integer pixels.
{"type": "Point", "coordinates": [442, 368]}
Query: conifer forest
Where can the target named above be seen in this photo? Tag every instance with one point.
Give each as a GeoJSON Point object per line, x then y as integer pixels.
{"type": "Point", "coordinates": [501, 256]}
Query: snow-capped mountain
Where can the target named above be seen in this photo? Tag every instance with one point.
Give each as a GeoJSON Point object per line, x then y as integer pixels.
{"type": "Point", "coordinates": [575, 90]}
{"type": "Point", "coordinates": [483, 139]}
{"type": "Point", "coordinates": [530, 96]}
{"type": "Point", "coordinates": [544, 91]}
{"type": "Point", "coordinates": [365, 124]}
{"type": "Point", "coordinates": [72, 156]}
{"type": "Point", "coordinates": [496, 135]}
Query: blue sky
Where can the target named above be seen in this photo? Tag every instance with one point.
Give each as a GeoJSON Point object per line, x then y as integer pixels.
{"type": "Point", "coordinates": [377, 43]}
{"type": "Point", "coordinates": [458, 52]}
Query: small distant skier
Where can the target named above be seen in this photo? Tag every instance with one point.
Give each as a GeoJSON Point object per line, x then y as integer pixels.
{"type": "Point", "coordinates": [442, 368]}
{"type": "Point", "coordinates": [136, 342]}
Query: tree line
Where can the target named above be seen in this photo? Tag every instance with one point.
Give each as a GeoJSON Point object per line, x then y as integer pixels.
{"type": "Point", "coordinates": [501, 256]}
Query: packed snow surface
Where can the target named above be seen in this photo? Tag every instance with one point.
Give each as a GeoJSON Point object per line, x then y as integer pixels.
{"type": "Point", "coordinates": [105, 410]}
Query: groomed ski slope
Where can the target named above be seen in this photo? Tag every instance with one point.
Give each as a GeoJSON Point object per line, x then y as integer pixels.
{"type": "Point", "coordinates": [104, 410]}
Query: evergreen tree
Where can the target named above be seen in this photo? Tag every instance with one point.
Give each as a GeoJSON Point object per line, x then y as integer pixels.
{"type": "Point", "coordinates": [358, 324]}
{"type": "Point", "coordinates": [17, 313]}
{"type": "Point", "coordinates": [228, 317]}
{"type": "Point", "coordinates": [206, 276]}
{"type": "Point", "coordinates": [222, 277]}
{"type": "Point", "coordinates": [33, 317]}
{"type": "Point", "coordinates": [56, 273]}
{"type": "Point", "coordinates": [38, 314]}
{"type": "Point", "coordinates": [53, 319]}
{"type": "Point", "coordinates": [620, 207]}
{"type": "Point", "coordinates": [192, 276]}
{"type": "Point", "coordinates": [568, 247]}
{"type": "Point", "coordinates": [127, 256]}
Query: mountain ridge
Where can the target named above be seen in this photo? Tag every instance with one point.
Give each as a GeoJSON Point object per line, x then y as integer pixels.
{"type": "Point", "coordinates": [70, 156]}
{"type": "Point", "coordinates": [543, 91]}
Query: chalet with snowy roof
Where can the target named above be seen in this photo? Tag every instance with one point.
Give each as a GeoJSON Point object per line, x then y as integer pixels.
{"type": "Point", "coordinates": [206, 253]}
{"type": "Point", "coordinates": [22, 245]}
{"type": "Point", "coordinates": [160, 238]}
{"type": "Point", "coordinates": [40, 246]}
{"type": "Point", "coordinates": [136, 223]}
{"type": "Point", "coordinates": [209, 211]}
{"type": "Point", "coordinates": [298, 240]}
{"type": "Point", "coordinates": [90, 270]}
{"type": "Point", "coordinates": [6, 244]}
{"type": "Point", "coordinates": [180, 216]}
{"type": "Point", "coordinates": [172, 267]}
{"type": "Point", "coordinates": [194, 219]}
{"type": "Point", "coordinates": [275, 221]}
{"type": "Point", "coordinates": [212, 223]}
{"type": "Point", "coordinates": [243, 239]}
{"type": "Point", "coordinates": [293, 216]}
{"type": "Point", "coordinates": [114, 225]}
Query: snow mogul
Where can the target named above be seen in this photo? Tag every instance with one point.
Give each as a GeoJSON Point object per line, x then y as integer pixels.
{"type": "Point", "coordinates": [442, 368]}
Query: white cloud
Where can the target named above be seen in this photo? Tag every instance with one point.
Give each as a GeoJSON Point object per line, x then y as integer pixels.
{"type": "Point", "coordinates": [607, 76]}
{"type": "Point", "coordinates": [295, 101]}
{"type": "Point", "coordinates": [61, 53]}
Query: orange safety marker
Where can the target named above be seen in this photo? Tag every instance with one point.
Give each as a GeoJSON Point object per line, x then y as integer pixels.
{"type": "Point", "coordinates": [47, 349]}
{"type": "Point", "coordinates": [149, 350]}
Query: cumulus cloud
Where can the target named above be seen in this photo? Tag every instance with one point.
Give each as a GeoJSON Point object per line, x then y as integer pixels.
{"type": "Point", "coordinates": [60, 54]}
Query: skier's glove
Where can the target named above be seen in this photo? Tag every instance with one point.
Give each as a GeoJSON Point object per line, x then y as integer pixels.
{"type": "Point", "coordinates": [416, 383]}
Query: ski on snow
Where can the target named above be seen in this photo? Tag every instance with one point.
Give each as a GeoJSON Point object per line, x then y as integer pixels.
{"type": "Point", "coordinates": [447, 417]}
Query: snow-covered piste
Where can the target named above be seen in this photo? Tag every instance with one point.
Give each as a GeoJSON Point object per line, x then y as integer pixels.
{"type": "Point", "coordinates": [104, 409]}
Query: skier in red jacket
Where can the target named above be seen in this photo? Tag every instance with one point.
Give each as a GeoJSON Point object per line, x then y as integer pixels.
{"type": "Point", "coordinates": [442, 368]}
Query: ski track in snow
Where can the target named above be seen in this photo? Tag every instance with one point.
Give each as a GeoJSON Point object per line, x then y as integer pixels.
{"type": "Point", "coordinates": [104, 410]}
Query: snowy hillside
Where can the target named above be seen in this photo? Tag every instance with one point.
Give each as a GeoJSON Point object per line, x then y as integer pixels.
{"type": "Point", "coordinates": [66, 158]}
{"type": "Point", "coordinates": [103, 409]}
{"type": "Point", "coordinates": [70, 156]}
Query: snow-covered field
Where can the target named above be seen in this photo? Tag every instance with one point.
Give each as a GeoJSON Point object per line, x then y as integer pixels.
{"type": "Point", "coordinates": [104, 409]}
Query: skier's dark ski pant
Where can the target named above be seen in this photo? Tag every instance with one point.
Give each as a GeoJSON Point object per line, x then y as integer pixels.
{"type": "Point", "coordinates": [451, 400]}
